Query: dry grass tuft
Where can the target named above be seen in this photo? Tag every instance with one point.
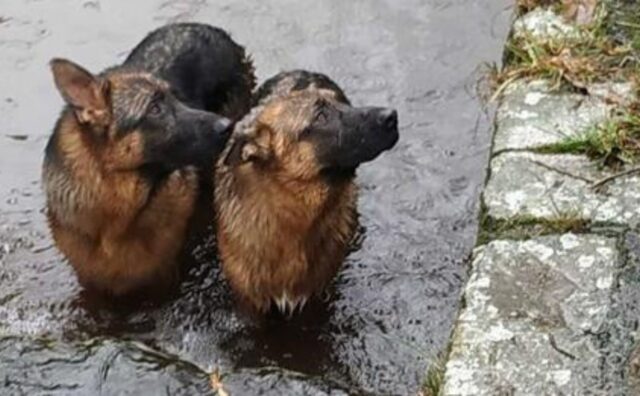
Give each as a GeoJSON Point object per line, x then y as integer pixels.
{"type": "Point", "coordinates": [590, 56]}
{"type": "Point", "coordinates": [524, 6]}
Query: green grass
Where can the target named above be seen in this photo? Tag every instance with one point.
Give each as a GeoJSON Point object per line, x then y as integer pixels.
{"type": "Point", "coordinates": [614, 143]}
{"type": "Point", "coordinates": [572, 145]}
{"type": "Point", "coordinates": [434, 380]}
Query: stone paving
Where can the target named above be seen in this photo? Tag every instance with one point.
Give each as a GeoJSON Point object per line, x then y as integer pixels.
{"type": "Point", "coordinates": [556, 186]}
{"type": "Point", "coordinates": [532, 115]}
{"type": "Point", "coordinates": [554, 314]}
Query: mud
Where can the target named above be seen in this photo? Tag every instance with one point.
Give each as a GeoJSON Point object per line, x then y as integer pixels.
{"type": "Point", "coordinates": [391, 310]}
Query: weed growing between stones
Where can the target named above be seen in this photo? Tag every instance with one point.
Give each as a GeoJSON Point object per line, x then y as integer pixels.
{"type": "Point", "coordinates": [582, 144]}
{"type": "Point", "coordinates": [607, 49]}
{"type": "Point", "coordinates": [613, 143]}
{"type": "Point", "coordinates": [527, 227]}
{"type": "Point", "coordinates": [433, 382]}
{"type": "Point", "coordinates": [574, 60]}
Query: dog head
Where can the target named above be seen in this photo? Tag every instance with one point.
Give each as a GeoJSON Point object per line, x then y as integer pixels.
{"type": "Point", "coordinates": [306, 133]}
{"type": "Point", "coordinates": [132, 120]}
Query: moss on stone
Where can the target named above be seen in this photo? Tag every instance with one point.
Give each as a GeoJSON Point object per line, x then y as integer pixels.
{"type": "Point", "coordinates": [527, 227]}
{"type": "Point", "coordinates": [581, 144]}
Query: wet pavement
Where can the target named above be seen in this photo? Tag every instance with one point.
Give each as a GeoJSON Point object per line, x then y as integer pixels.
{"type": "Point", "coordinates": [394, 304]}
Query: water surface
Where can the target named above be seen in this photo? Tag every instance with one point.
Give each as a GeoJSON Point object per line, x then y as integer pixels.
{"type": "Point", "coordinates": [394, 304]}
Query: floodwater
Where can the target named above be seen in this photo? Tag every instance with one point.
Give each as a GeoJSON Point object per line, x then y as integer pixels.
{"type": "Point", "coordinates": [394, 304]}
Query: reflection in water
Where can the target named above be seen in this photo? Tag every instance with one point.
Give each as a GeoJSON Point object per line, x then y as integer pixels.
{"type": "Point", "coordinates": [394, 304]}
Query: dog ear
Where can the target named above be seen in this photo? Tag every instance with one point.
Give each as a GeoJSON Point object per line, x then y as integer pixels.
{"type": "Point", "coordinates": [84, 92]}
{"type": "Point", "coordinates": [252, 147]}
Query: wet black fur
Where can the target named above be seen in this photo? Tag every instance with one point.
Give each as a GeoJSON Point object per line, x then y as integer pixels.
{"type": "Point", "coordinates": [303, 79]}
{"type": "Point", "coordinates": [206, 69]}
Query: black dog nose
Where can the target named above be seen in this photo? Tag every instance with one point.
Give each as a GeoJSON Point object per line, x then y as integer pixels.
{"type": "Point", "coordinates": [388, 118]}
{"type": "Point", "coordinates": [222, 125]}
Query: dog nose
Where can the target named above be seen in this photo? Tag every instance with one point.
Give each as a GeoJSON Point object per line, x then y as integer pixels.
{"type": "Point", "coordinates": [221, 125]}
{"type": "Point", "coordinates": [388, 118]}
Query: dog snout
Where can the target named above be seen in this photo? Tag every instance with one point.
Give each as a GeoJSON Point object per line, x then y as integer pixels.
{"type": "Point", "coordinates": [222, 125]}
{"type": "Point", "coordinates": [388, 119]}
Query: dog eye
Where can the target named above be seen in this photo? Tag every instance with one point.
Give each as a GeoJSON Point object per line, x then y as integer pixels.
{"type": "Point", "coordinates": [306, 132]}
{"type": "Point", "coordinates": [321, 117]}
{"type": "Point", "coordinates": [155, 109]}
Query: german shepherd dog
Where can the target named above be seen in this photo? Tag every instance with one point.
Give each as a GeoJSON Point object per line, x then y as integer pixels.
{"type": "Point", "coordinates": [285, 196]}
{"type": "Point", "coordinates": [120, 170]}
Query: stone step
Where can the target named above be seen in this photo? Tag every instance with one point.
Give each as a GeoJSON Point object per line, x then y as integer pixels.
{"type": "Point", "coordinates": [552, 186]}
{"type": "Point", "coordinates": [533, 317]}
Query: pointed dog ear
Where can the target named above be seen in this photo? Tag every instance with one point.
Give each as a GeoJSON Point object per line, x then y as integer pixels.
{"type": "Point", "coordinates": [250, 147]}
{"type": "Point", "coordinates": [84, 92]}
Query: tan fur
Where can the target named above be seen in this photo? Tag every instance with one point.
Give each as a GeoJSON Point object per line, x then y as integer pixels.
{"type": "Point", "coordinates": [117, 236]}
{"type": "Point", "coordinates": [283, 230]}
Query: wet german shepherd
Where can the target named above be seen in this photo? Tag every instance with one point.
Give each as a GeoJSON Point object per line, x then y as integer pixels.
{"type": "Point", "coordinates": [285, 196]}
{"type": "Point", "coordinates": [121, 167]}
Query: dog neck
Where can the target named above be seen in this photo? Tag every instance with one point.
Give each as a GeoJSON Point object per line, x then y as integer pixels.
{"type": "Point", "coordinates": [276, 205]}
{"type": "Point", "coordinates": [277, 197]}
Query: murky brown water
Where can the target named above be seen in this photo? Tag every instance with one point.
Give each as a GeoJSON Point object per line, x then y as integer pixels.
{"type": "Point", "coordinates": [394, 304]}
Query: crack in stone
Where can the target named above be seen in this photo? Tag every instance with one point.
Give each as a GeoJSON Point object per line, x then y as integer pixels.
{"type": "Point", "coordinates": [561, 171]}
{"type": "Point", "coordinates": [554, 345]}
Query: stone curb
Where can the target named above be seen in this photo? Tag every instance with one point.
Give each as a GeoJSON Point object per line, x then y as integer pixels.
{"type": "Point", "coordinates": [554, 186]}
{"type": "Point", "coordinates": [529, 314]}
{"type": "Point", "coordinates": [551, 315]}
